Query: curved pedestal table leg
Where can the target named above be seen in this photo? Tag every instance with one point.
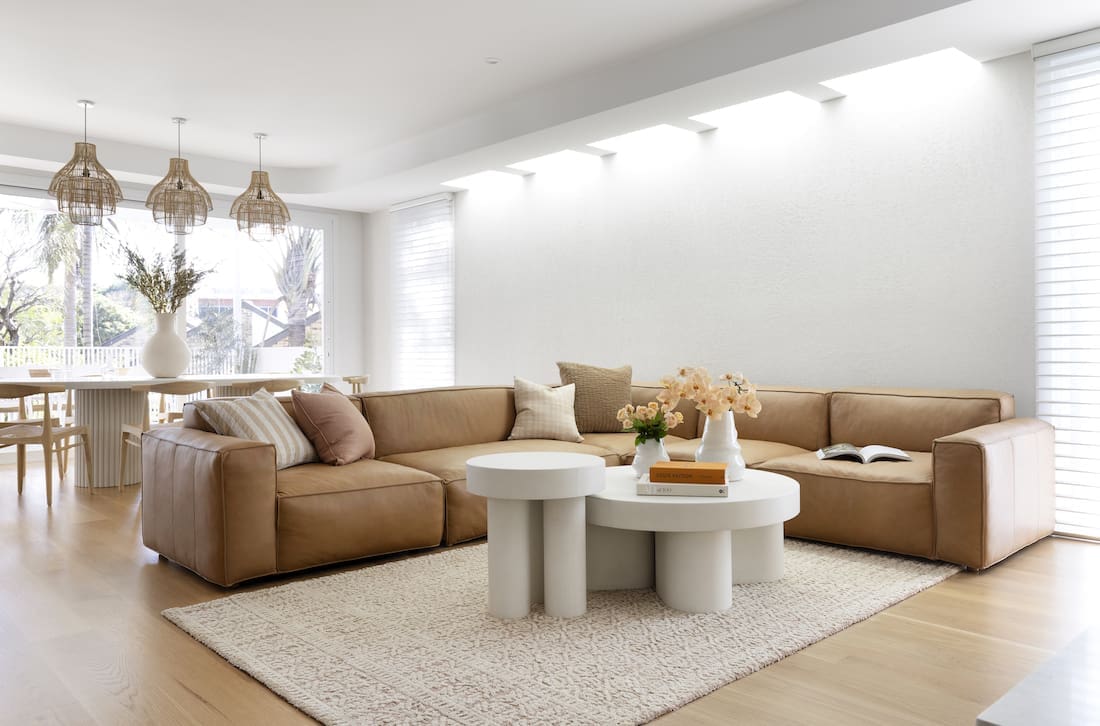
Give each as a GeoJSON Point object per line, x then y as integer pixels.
{"type": "Point", "coordinates": [757, 554]}
{"type": "Point", "coordinates": [564, 552]}
{"type": "Point", "coordinates": [515, 556]}
{"type": "Point", "coordinates": [694, 572]}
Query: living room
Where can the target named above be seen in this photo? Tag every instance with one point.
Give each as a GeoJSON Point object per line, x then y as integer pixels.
{"type": "Point", "coordinates": [828, 196]}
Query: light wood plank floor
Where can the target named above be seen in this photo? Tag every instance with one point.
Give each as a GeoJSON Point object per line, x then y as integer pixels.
{"type": "Point", "coordinates": [82, 639]}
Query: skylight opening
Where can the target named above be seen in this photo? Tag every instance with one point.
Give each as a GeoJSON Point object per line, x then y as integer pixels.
{"type": "Point", "coordinates": [565, 161]}
{"type": "Point", "coordinates": [943, 67]}
{"type": "Point", "coordinates": [488, 179]}
{"type": "Point", "coordinates": [783, 110]}
{"type": "Point", "coordinates": [662, 137]}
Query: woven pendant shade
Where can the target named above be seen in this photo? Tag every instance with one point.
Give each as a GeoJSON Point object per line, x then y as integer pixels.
{"type": "Point", "coordinates": [178, 201]}
{"type": "Point", "coordinates": [259, 211]}
{"type": "Point", "coordinates": [85, 191]}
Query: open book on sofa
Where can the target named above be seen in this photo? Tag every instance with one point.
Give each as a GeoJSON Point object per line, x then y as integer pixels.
{"type": "Point", "coordinates": [864, 455]}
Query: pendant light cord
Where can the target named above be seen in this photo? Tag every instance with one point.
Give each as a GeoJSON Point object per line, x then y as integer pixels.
{"type": "Point", "coordinates": [260, 143]}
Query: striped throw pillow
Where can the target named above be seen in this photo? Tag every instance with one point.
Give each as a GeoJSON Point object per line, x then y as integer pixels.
{"type": "Point", "coordinates": [543, 412]}
{"type": "Point", "coordinates": [259, 418]}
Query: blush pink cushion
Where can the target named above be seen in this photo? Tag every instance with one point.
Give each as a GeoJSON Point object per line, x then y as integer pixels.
{"type": "Point", "coordinates": [336, 428]}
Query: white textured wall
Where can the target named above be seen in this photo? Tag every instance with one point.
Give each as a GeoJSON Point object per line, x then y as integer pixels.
{"type": "Point", "coordinates": [888, 243]}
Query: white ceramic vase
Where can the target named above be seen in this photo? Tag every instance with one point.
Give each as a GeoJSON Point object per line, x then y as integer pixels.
{"type": "Point", "coordinates": [720, 444]}
{"type": "Point", "coordinates": [165, 354]}
{"type": "Point", "coordinates": [646, 454]}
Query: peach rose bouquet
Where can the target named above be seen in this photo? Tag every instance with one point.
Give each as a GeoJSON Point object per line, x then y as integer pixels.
{"type": "Point", "coordinates": [731, 392]}
{"type": "Point", "coordinates": [651, 421]}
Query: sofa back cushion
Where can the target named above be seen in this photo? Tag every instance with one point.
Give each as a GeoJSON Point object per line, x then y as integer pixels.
{"type": "Point", "coordinates": [790, 415]}
{"type": "Point", "coordinates": [405, 421]}
{"type": "Point", "coordinates": [641, 394]}
{"type": "Point", "coordinates": [911, 418]}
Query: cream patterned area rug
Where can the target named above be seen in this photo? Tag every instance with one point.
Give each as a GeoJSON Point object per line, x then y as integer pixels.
{"type": "Point", "coordinates": [411, 642]}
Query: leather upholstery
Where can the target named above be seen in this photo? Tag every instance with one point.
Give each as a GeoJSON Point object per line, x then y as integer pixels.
{"type": "Point", "coordinates": [466, 515]}
{"type": "Point", "coordinates": [980, 487]}
{"type": "Point", "coordinates": [993, 489]}
{"type": "Point", "coordinates": [791, 415]}
{"type": "Point", "coordinates": [754, 452]}
{"type": "Point", "coordinates": [208, 503]}
{"type": "Point", "coordinates": [883, 506]}
{"type": "Point", "coordinates": [911, 419]}
{"type": "Point", "coordinates": [406, 421]}
{"type": "Point", "coordinates": [331, 514]}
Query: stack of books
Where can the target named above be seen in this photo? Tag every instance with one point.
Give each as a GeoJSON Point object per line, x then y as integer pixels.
{"type": "Point", "coordinates": [685, 479]}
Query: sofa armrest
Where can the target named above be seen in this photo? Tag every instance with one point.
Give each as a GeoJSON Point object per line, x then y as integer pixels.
{"type": "Point", "coordinates": [993, 490]}
{"type": "Point", "coordinates": [208, 502]}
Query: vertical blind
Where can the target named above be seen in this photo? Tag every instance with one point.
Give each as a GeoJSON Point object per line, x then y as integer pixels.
{"type": "Point", "coordinates": [1067, 278]}
{"type": "Point", "coordinates": [423, 300]}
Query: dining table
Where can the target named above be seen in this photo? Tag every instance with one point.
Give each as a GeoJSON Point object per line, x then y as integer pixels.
{"type": "Point", "coordinates": [105, 402]}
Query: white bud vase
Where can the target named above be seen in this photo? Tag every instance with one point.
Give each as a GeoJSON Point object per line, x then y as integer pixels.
{"type": "Point", "coordinates": [720, 445]}
{"type": "Point", "coordinates": [646, 454]}
{"type": "Point", "coordinates": [165, 354]}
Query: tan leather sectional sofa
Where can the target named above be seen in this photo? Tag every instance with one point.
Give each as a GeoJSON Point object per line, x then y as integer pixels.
{"type": "Point", "coordinates": [979, 488]}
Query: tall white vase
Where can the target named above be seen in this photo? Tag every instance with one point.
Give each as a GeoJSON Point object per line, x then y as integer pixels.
{"type": "Point", "coordinates": [720, 445]}
{"type": "Point", "coordinates": [646, 454]}
{"type": "Point", "coordinates": [165, 354]}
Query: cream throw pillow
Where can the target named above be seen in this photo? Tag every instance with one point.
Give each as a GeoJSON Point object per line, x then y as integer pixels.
{"type": "Point", "coordinates": [601, 392]}
{"type": "Point", "coordinates": [260, 417]}
{"type": "Point", "coordinates": [543, 412]}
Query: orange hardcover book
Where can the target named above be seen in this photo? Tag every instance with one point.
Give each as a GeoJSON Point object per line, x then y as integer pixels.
{"type": "Point", "coordinates": [688, 472]}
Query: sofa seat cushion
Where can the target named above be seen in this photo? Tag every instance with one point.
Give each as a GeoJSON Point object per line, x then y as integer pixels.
{"type": "Point", "coordinates": [622, 444]}
{"type": "Point", "coordinates": [465, 517]}
{"type": "Point", "coordinates": [368, 507]}
{"type": "Point", "coordinates": [755, 452]}
{"type": "Point", "coordinates": [917, 471]}
{"type": "Point", "coordinates": [885, 505]}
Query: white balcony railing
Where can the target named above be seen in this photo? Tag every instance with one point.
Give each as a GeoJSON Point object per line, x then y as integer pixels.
{"type": "Point", "coordinates": [99, 359]}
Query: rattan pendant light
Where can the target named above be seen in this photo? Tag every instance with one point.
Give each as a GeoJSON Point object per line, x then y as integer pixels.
{"type": "Point", "coordinates": [178, 201]}
{"type": "Point", "coordinates": [85, 190]}
{"type": "Point", "coordinates": [259, 211]}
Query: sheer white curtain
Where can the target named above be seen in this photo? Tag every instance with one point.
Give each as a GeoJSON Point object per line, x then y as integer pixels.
{"type": "Point", "coordinates": [1067, 275]}
{"type": "Point", "coordinates": [424, 285]}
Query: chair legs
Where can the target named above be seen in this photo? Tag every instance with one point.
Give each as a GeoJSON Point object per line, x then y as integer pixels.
{"type": "Point", "coordinates": [21, 464]}
{"type": "Point", "coordinates": [122, 453]}
{"type": "Point", "coordinates": [47, 456]}
{"type": "Point", "coordinates": [86, 444]}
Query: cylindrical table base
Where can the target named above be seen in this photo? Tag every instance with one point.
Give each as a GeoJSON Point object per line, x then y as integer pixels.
{"type": "Point", "coordinates": [757, 554]}
{"type": "Point", "coordinates": [564, 552]}
{"type": "Point", "coordinates": [515, 557]}
{"type": "Point", "coordinates": [694, 573]}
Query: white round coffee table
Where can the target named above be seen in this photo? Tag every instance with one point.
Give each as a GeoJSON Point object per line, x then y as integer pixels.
{"type": "Point", "coordinates": [536, 523]}
{"type": "Point", "coordinates": [693, 548]}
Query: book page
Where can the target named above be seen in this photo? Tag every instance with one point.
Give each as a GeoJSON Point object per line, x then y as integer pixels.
{"type": "Point", "coordinates": [875, 453]}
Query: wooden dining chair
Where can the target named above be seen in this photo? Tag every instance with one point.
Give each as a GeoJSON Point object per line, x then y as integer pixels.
{"type": "Point", "coordinates": [131, 433]}
{"type": "Point", "coordinates": [357, 383]}
{"type": "Point", "coordinates": [54, 439]}
{"type": "Point", "coordinates": [275, 385]}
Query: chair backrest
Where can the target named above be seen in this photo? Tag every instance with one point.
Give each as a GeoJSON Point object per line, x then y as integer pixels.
{"type": "Point", "coordinates": [39, 372]}
{"type": "Point", "coordinates": [357, 382]}
{"type": "Point", "coordinates": [22, 390]}
{"type": "Point", "coordinates": [275, 385]}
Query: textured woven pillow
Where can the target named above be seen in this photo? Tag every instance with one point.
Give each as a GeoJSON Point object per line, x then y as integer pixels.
{"type": "Point", "coordinates": [259, 418]}
{"type": "Point", "coordinates": [601, 392]}
{"type": "Point", "coordinates": [543, 412]}
{"type": "Point", "coordinates": [337, 429]}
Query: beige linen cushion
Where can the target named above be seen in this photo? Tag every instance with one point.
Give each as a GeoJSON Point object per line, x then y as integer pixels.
{"type": "Point", "coordinates": [337, 429]}
{"type": "Point", "coordinates": [543, 412]}
{"type": "Point", "coordinates": [260, 417]}
{"type": "Point", "coordinates": [601, 392]}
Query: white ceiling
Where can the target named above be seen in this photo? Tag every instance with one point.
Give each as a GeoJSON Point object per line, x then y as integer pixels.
{"type": "Point", "coordinates": [371, 102]}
